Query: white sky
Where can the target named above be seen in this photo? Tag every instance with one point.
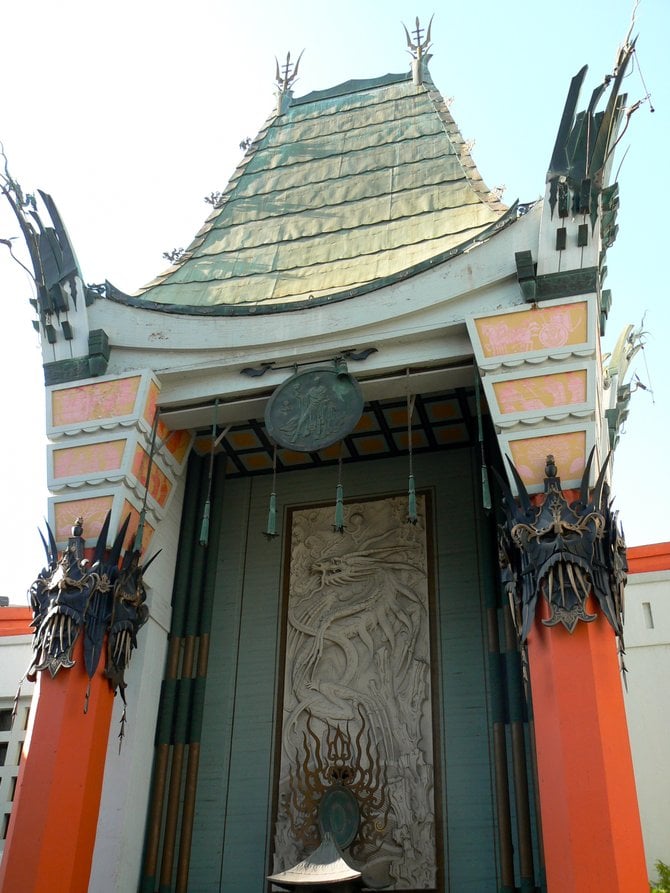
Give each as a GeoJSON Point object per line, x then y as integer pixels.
{"type": "Point", "coordinates": [129, 113]}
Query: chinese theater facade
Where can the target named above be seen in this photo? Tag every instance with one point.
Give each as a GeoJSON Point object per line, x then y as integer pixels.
{"type": "Point", "coordinates": [330, 497]}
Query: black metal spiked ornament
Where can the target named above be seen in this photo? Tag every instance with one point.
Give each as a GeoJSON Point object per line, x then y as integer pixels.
{"type": "Point", "coordinates": [563, 552]}
{"type": "Point", "coordinates": [105, 598]}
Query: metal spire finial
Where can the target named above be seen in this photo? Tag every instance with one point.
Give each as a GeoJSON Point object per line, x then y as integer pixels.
{"type": "Point", "coordinates": [286, 74]}
{"type": "Point", "coordinates": [419, 47]}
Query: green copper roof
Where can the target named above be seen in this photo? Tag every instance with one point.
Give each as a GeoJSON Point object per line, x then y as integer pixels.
{"type": "Point", "coordinates": [347, 188]}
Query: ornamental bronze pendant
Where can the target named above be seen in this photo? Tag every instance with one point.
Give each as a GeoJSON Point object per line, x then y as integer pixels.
{"type": "Point", "coordinates": [314, 409]}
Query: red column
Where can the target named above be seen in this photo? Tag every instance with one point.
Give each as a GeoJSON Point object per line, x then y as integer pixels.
{"type": "Point", "coordinates": [54, 818]}
{"type": "Point", "coordinates": [588, 801]}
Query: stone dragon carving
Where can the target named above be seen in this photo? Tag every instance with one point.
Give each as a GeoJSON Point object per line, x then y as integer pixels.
{"type": "Point", "coordinates": [357, 683]}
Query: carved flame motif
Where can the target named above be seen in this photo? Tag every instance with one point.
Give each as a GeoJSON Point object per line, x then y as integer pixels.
{"type": "Point", "coordinates": [563, 552]}
{"type": "Point", "coordinates": [352, 765]}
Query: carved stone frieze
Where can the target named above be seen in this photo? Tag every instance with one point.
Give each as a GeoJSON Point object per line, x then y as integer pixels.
{"type": "Point", "coordinates": [357, 683]}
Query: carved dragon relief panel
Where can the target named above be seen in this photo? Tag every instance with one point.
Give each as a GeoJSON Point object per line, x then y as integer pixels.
{"type": "Point", "coordinates": [357, 708]}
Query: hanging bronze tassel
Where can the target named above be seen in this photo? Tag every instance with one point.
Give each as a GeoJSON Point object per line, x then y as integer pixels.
{"type": "Point", "coordinates": [338, 526]}
{"type": "Point", "coordinates": [139, 536]}
{"type": "Point", "coordinates": [271, 527]}
{"type": "Point", "coordinates": [486, 489]}
{"type": "Point", "coordinates": [412, 516]}
{"type": "Point", "coordinates": [204, 527]}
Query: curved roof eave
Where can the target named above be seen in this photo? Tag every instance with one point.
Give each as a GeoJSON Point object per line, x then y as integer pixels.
{"type": "Point", "coordinates": [255, 309]}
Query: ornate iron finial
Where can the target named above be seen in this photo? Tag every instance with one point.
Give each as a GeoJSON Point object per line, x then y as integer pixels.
{"type": "Point", "coordinates": [550, 470]}
{"type": "Point", "coordinates": [419, 47]}
{"type": "Point", "coordinates": [287, 74]}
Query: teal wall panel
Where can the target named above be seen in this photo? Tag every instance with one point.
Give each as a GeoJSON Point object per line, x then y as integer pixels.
{"type": "Point", "coordinates": [232, 838]}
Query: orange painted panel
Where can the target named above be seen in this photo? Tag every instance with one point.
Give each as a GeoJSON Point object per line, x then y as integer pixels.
{"type": "Point", "coordinates": [543, 328]}
{"type": "Point", "coordinates": [177, 442]}
{"type": "Point", "coordinates": [159, 485]}
{"type": "Point", "coordinates": [530, 456]}
{"type": "Point", "coordinates": [243, 440]}
{"type": "Point", "coordinates": [441, 412]}
{"type": "Point", "coordinates": [451, 434]}
{"type": "Point", "coordinates": [93, 457]}
{"type": "Point", "coordinates": [291, 457]}
{"type": "Point", "coordinates": [370, 444]}
{"type": "Point", "coordinates": [88, 402]}
{"type": "Point", "coordinates": [92, 510]}
{"type": "Point", "coordinates": [418, 439]}
{"type": "Point", "coordinates": [15, 621]}
{"type": "Point", "coordinates": [202, 445]}
{"type": "Point", "coordinates": [256, 461]}
{"type": "Point", "coordinates": [541, 391]}
{"type": "Point", "coordinates": [652, 557]}
{"type": "Point", "coordinates": [162, 430]}
{"type": "Point", "coordinates": [129, 541]}
{"type": "Point", "coordinates": [335, 451]}
{"type": "Point", "coordinates": [366, 422]}
{"type": "Point", "coordinates": [397, 418]}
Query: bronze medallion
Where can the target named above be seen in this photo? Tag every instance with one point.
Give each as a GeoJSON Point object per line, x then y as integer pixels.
{"type": "Point", "coordinates": [313, 409]}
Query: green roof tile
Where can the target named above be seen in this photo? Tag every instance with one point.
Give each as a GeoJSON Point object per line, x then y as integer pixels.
{"type": "Point", "coordinates": [350, 185]}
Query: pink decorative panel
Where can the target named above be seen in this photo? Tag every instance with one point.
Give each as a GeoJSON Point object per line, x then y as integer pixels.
{"type": "Point", "coordinates": [159, 485]}
{"type": "Point", "coordinates": [530, 456]}
{"type": "Point", "coordinates": [88, 402]}
{"type": "Point", "coordinates": [543, 328]}
{"type": "Point", "coordinates": [88, 459]}
{"type": "Point", "coordinates": [93, 511]}
{"type": "Point", "coordinates": [541, 391]}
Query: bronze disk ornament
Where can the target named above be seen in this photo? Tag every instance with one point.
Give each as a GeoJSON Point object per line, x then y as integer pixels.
{"type": "Point", "coordinates": [314, 409]}
{"type": "Point", "coordinates": [339, 814]}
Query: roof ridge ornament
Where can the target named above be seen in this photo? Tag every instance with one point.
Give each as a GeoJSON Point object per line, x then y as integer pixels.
{"type": "Point", "coordinates": [285, 76]}
{"type": "Point", "coordinates": [418, 49]}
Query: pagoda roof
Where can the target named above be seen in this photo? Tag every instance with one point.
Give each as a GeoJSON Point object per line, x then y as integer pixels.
{"type": "Point", "coordinates": [342, 191]}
